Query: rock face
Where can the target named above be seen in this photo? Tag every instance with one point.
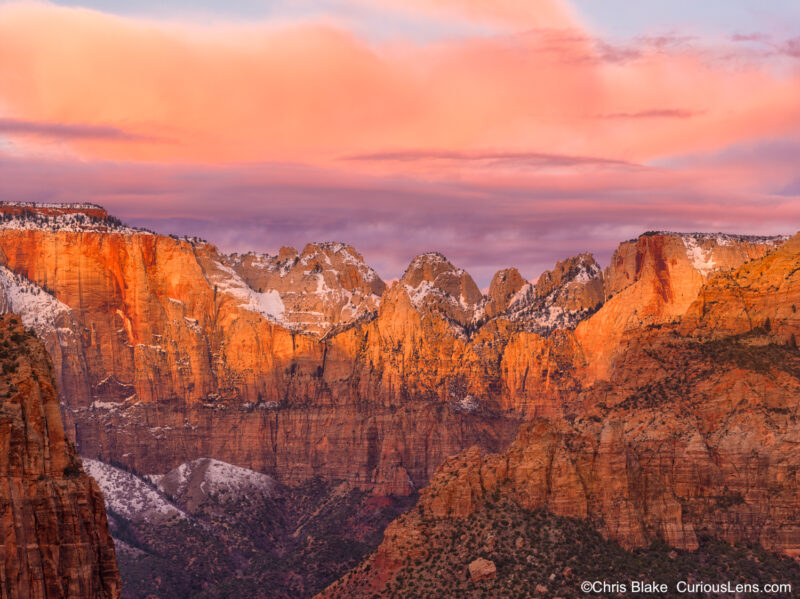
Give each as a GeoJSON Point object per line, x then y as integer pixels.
{"type": "Point", "coordinates": [55, 539]}
{"type": "Point", "coordinates": [654, 279]}
{"type": "Point", "coordinates": [692, 435]}
{"type": "Point", "coordinates": [326, 287]}
{"type": "Point", "coordinates": [561, 298]}
{"type": "Point", "coordinates": [23, 209]}
{"type": "Point", "coordinates": [503, 290]}
{"type": "Point", "coordinates": [302, 366]}
{"type": "Point", "coordinates": [433, 284]}
{"type": "Point", "coordinates": [159, 342]}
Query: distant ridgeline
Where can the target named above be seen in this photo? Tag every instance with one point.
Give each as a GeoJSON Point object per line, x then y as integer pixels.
{"type": "Point", "coordinates": [31, 214]}
{"type": "Point", "coordinates": [32, 209]}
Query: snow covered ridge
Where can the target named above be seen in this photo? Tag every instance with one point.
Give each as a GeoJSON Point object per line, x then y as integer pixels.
{"type": "Point", "coordinates": [544, 314]}
{"type": "Point", "coordinates": [207, 477]}
{"type": "Point", "coordinates": [65, 206]}
{"type": "Point", "coordinates": [327, 285]}
{"type": "Point", "coordinates": [702, 258]}
{"type": "Point", "coordinates": [268, 304]}
{"type": "Point", "coordinates": [74, 222]}
{"type": "Point", "coordinates": [38, 309]}
{"type": "Point", "coordinates": [283, 263]}
{"type": "Point", "coordinates": [722, 238]}
{"type": "Point", "coordinates": [129, 496]}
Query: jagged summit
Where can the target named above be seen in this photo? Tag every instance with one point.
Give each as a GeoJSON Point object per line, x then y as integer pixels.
{"type": "Point", "coordinates": [432, 282]}
{"type": "Point", "coordinates": [434, 270]}
{"type": "Point", "coordinates": [503, 290]}
{"type": "Point", "coordinates": [561, 297]}
{"type": "Point", "coordinates": [326, 286]}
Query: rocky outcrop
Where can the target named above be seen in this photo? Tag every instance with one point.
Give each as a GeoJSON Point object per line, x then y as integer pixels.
{"type": "Point", "coordinates": [433, 284]}
{"type": "Point", "coordinates": [324, 288]}
{"type": "Point", "coordinates": [503, 289]}
{"type": "Point", "coordinates": [27, 209]}
{"type": "Point", "coordinates": [561, 298]}
{"type": "Point", "coordinates": [692, 435]}
{"type": "Point", "coordinates": [761, 294]}
{"type": "Point", "coordinates": [654, 280]}
{"type": "Point", "coordinates": [156, 338]}
{"type": "Point", "coordinates": [55, 538]}
{"type": "Point", "coordinates": [216, 530]}
{"type": "Point", "coordinates": [481, 569]}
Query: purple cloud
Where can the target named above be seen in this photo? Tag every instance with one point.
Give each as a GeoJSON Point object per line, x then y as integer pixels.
{"type": "Point", "coordinates": [536, 159]}
{"type": "Point", "coordinates": [658, 113]}
{"type": "Point", "coordinates": [67, 131]}
{"type": "Point", "coordinates": [482, 227]}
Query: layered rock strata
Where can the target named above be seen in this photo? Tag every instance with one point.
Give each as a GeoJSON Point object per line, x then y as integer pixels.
{"type": "Point", "coordinates": [55, 541]}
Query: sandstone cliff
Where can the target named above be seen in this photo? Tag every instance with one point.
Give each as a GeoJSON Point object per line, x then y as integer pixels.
{"type": "Point", "coordinates": [693, 435]}
{"type": "Point", "coordinates": [158, 341]}
{"type": "Point", "coordinates": [654, 279]}
{"type": "Point", "coordinates": [55, 539]}
{"type": "Point", "coordinates": [302, 366]}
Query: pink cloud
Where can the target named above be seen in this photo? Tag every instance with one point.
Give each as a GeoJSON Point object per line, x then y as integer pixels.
{"type": "Point", "coordinates": [511, 148]}
{"type": "Point", "coordinates": [313, 92]}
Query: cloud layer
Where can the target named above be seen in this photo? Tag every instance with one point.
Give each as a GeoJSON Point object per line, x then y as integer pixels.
{"type": "Point", "coordinates": [520, 145]}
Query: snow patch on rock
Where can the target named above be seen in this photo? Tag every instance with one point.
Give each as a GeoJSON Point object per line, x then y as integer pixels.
{"type": "Point", "coordinates": [543, 314]}
{"type": "Point", "coordinates": [701, 259]}
{"type": "Point", "coordinates": [130, 496]}
{"type": "Point", "coordinates": [268, 303]}
{"type": "Point", "coordinates": [38, 309]}
{"type": "Point", "coordinates": [207, 477]}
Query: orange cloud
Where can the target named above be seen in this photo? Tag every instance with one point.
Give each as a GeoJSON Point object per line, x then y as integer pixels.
{"type": "Point", "coordinates": [316, 93]}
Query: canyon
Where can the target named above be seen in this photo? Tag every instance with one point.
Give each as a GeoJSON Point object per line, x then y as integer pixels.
{"type": "Point", "coordinates": [655, 399]}
{"type": "Point", "coordinates": [692, 437]}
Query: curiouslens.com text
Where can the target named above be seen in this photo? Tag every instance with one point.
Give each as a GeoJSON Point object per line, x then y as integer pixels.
{"type": "Point", "coordinates": [643, 587]}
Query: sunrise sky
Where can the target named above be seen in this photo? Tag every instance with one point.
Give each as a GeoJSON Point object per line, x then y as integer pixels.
{"type": "Point", "coordinates": [502, 133]}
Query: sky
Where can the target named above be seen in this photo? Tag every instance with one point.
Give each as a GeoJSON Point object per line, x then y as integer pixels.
{"type": "Point", "coordinates": [513, 133]}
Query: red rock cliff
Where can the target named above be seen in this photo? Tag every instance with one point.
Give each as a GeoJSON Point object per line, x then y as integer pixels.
{"type": "Point", "coordinates": [55, 538]}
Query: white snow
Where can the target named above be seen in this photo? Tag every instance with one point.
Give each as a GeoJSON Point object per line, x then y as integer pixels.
{"type": "Point", "coordinates": [69, 206]}
{"type": "Point", "coordinates": [72, 223]}
{"type": "Point", "coordinates": [418, 294]}
{"type": "Point", "coordinates": [38, 309]}
{"type": "Point", "coordinates": [543, 314]}
{"type": "Point", "coordinates": [321, 275]}
{"type": "Point", "coordinates": [701, 259]}
{"type": "Point", "coordinates": [215, 478]}
{"type": "Point", "coordinates": [130, 496]}
{"type": "Point", "coordinates": [269, 303]}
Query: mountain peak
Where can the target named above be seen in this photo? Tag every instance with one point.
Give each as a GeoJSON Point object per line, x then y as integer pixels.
{"type": "Point", "coordinates": [432, 280]}
{"type": "Point", "coordinates": [503, 289]}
